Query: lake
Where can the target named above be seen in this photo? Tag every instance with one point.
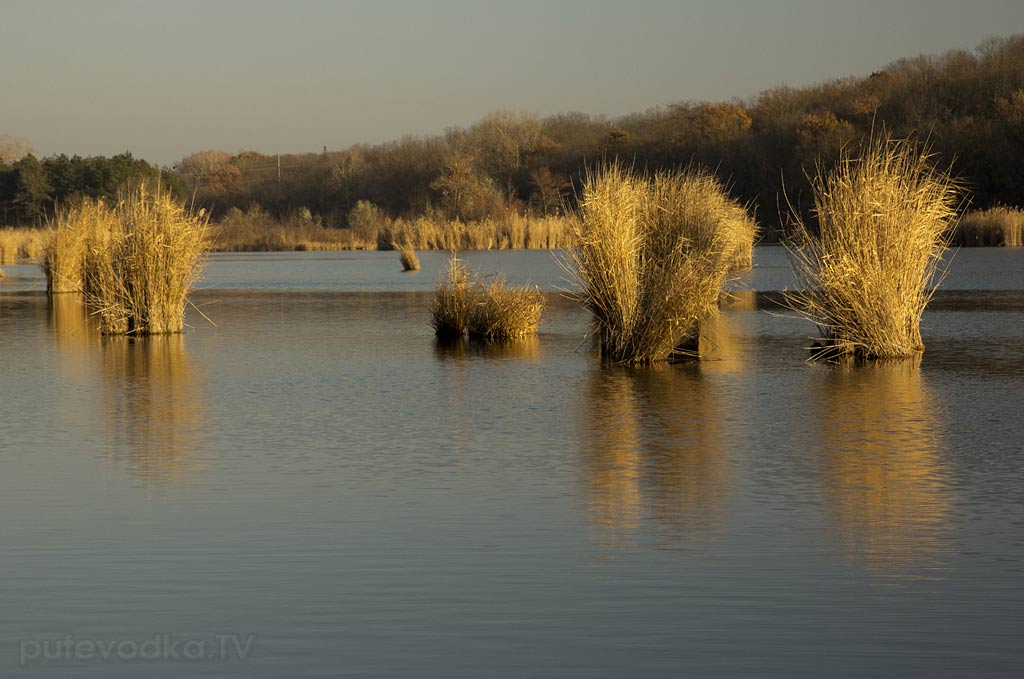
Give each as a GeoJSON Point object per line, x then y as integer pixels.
{"type": "Point", "coordinates": [314, 487]}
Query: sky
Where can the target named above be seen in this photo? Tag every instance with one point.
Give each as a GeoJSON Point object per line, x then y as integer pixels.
{"type": "Point", "coordinates": [164, 79]}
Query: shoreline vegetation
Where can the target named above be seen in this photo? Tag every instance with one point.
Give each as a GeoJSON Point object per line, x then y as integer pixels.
{"type": "Point", "coordinates": [256, 231]}
{"type": "Point", "coordinates": [514, 179]}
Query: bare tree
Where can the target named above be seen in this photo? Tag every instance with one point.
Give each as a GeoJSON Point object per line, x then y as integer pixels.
{"type": "Point", "coordinates": [13, 149]}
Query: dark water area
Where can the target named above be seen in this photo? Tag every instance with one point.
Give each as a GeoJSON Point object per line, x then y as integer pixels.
{"type": "Point", "coordinates": [318, 472]}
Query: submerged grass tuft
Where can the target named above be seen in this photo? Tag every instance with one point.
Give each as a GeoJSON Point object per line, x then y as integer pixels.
{"type": "Point", "coordinates": [868, 271]}
{"type": "Point", "coordinates": [652, 255]}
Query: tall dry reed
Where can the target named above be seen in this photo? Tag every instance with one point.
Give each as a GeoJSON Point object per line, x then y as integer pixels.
{"type": "Point", "coordinates": [451, 302]}
{"type": "Point", "coordinates": [71, 230]}
{"type": "Point", "coordinates": [138, 275]}
{"type": "Point", "coordinates": [651, 257]}
{"type": "Point", "coordinates": [869, 269]}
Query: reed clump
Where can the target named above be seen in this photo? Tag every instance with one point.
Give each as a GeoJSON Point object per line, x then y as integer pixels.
{"type": "Point", "coordinates": [869, 269]}
{"type": "Point", "coordinates": [651, 256]}
{"type": "Point", "coordinates": [501, 312]}
{"type": "Point", "coordinates": [138, 273]}
{"type": "Point", "coordinates": [450, 306]}
{"type": "Point", "coordinates": [997, 226]}
{"type": "Point", "coordinates": [490, 311]}
{"type": "Point", "coordinates": [70, 233]}
{"type": "Point", "coordinates": [410, 262]}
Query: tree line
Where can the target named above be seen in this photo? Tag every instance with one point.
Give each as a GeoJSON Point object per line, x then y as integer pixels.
{"type": "Point", "coordinates": [968, 105]}
{"type": "Point", "coordinates": [31, 189]}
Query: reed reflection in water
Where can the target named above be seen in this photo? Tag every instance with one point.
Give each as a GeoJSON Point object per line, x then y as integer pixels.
{"type": "Point", "coordinates": [884, 475]}
{"type": "Point", "coordinates": [460, 348]}
{"type": "Point", "coordinates": [154, 407]}
{"type": "Point", "coordinates": [74, 329]}
{"type": "Point", "coordinates": [655, 451]}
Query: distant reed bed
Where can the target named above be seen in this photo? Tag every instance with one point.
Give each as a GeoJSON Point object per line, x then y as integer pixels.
{"type": "Point", "coordinates": [256, 230]}
{"type": "Point", "coordinates": [652, 253]}
{"type": "Point", "coordinates": [22, 244]}
{"type": "Point", "coordinates": [997, 226]}
{"type": "Point", "coordinates": [867, 269]}
{"type": "Point", "coordinates": [514, 232]}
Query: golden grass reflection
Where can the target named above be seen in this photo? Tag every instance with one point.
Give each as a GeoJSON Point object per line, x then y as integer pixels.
{"type": "Point", "coordinates": [527, 348]}
{"type": "Point", "coordinates": [721, 342]}
{"type": "Point", "coordinates": [74, 329]}
{"type": "Point", "coordinates": [654, 451]}
{"type": "Point", "coordinates": [460, 348]}
{"type": "Point", "coordinates": [154, 407]}
{"type": "Point", "coordinates": [884, 473]}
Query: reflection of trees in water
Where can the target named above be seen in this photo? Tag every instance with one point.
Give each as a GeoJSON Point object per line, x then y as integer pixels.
{"type": "Point", "coordinates": [884, 476]}
{"type": "Point", "coordinates": [154, 407]}
{"type": "Point", "coordinates": [654, 451]}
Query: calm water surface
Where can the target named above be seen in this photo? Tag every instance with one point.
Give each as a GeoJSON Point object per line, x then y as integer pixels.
{"type": "Point", "coordinates": [317, 472]}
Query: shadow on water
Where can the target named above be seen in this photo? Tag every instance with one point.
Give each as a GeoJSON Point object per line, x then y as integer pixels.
{"type": "Point", "coordinates": [654, 454]}
{"type": "Point", "coordinates": [883, 472]}
{"type": "Point", "coordinates": [153, 407]}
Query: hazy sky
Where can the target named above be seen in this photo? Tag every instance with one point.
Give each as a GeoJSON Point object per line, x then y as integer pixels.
{"type": "Point", "coordinates": [162, 79]}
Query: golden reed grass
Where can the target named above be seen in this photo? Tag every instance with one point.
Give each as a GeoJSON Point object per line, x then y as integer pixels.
{"type": "Point", "coordinates": [998, 226]}
{"type": "Point", "coordinates": [495, 311]}
{"type": "Point", "coordinates": [869, 269]}
{"type": "Point", "coordinates": [410, 262]}
{"type": "Point", "coordinates": [257, 230]}
{"type": "Point", "coordinates": [70, 232]}
{"type": "Point", "coordinates": [514, 232]}
{"type": "Point", "coordinates": [450, 306]}
{"type": "Point", "coordinates": [138, 275]}
{"type": "Point", "coordinates": [500, 312]}
{"type": "Point", "coordinates": [651, 256]}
